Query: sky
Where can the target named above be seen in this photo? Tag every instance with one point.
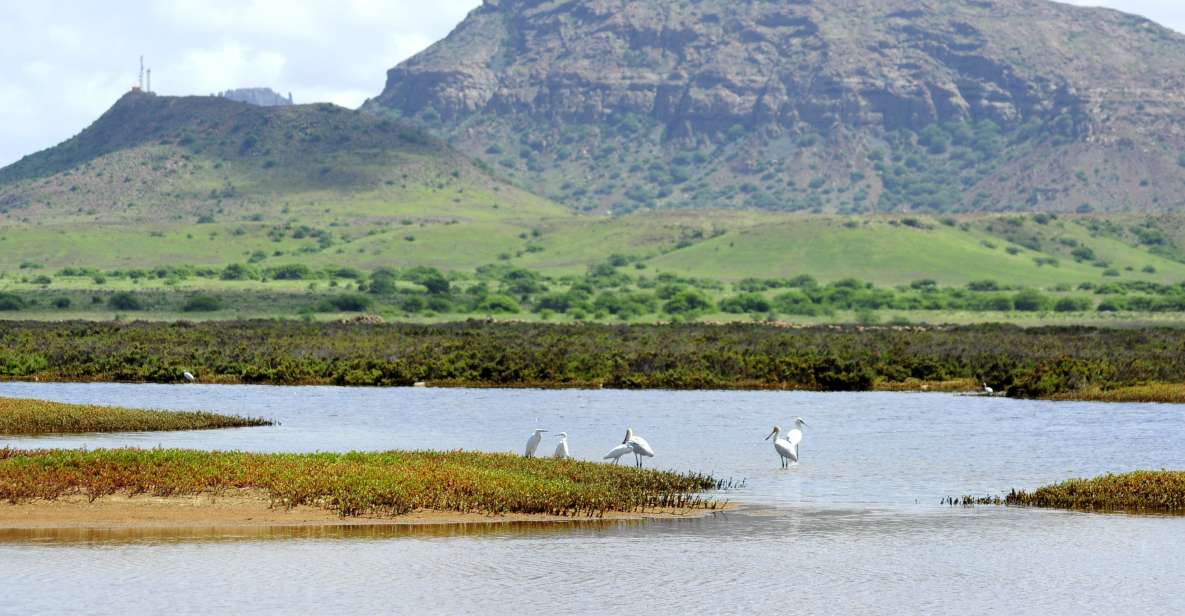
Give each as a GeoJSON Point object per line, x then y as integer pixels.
{"type": "Point", "coordinates": [66, 62]}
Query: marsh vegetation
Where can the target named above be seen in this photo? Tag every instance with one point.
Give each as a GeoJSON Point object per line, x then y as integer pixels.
{"type": "Point", "coordinates": [41, 417]}
{"type": "Point", "coordinates": [356, 484]}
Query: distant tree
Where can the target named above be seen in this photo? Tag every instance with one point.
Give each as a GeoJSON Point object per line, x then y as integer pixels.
{"type": "Point", "coordinates": [125, 301]}
{"type": "Point", "coordinates": [202, 303]}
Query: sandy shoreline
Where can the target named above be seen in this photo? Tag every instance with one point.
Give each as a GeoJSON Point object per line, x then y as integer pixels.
{"type": "Point", "coordinates": [251, 510]}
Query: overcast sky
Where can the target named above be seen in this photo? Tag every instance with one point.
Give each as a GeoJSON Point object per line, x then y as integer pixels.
{"type": "Point", "coordinates": [65, 62]}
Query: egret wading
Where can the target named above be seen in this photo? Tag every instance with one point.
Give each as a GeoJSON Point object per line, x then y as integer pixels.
{"type": "Point", "coordinates": [638, 445]}
{"type": "Point", "coordinates": [561, 449]}
{"type": "Point", "coordinates": [988, 390]}
{"type": "Point", "coordinates": [794, 436]}
{"type": "Point", "coordinates": [533, 442]}
{"type": "Point", "coordinates": [783, 447]}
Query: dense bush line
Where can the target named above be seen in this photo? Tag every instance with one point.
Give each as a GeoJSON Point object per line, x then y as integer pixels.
{"type": "Point", "coordinates": [1037, 362]}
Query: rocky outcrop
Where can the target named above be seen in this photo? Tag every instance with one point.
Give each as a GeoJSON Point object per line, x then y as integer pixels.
{"type": "Point", "coordinates": [260, 97]}
{"type": "Point", "coordinates": [851, 71]}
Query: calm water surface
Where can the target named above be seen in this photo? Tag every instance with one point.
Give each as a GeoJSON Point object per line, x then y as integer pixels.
{"type": "Point", "coordinates": [856, 528]}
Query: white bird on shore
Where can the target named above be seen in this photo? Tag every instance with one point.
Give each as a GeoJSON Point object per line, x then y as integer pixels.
{"type": "Point", "coordinates": [638, 445]}
{"type": "Point", "coordinates": [533, 442]}
{"type": "Point", "coordinates": [189, 376]}
{"type": "Point", "coordinates": [988, 390]}
{"type": "Point", "coordinates": [783, 447]}
{"type": "Point", "coordinates": [794, 435]}
{"type": "Point", "coordinates": [561, 449]}
{"type": "Point", "coordinates": [616, 453]}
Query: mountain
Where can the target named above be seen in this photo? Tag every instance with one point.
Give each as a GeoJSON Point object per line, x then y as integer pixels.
{"type": "Point", "coordinates": [262, 97]}
{"type": "Point", "coordinates": [157, 158]}
{"type": "Point", "coordinates": [849, 106]}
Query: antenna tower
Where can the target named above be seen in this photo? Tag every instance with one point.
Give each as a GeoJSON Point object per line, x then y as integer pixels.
{"type": "Point", "coordinates": [141, 72]}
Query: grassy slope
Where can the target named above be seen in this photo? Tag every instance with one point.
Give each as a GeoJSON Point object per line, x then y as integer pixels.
{"type": "Point", "coordinates": [457, 228]}
{"type": "Point", "coordinates": [131, 190]}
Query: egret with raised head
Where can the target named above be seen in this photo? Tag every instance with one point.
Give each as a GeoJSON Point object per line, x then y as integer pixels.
{"type": "Point", "coordinates": [638, 445]}
{"type": "Point", "coordinates": [561, 449]}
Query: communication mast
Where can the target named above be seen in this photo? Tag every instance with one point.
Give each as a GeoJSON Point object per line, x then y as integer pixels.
{"type": "Point", "coordinates": [141, 86]}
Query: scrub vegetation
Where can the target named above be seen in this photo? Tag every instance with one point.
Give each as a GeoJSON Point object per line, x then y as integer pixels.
{"type": "Point", "coordinates": [1034, 362]}
{"type": "Point", "coordinates": [41, 417]}
{"type": "Point", "coordinates": [356, 484]}
{"type": "Point", "coordinates": [1137, 492]}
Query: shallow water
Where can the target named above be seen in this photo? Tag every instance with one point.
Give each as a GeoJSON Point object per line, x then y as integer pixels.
{"type": "Point", "coordinates": [855, 528]}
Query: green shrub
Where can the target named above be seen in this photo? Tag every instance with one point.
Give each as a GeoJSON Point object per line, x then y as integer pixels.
{"type": "Point", "coordinates": [1030, 300]}
{"type": "Point", "coordinates": [9, 302]}
{"type": "Point", "coordinates": [61, 303]}
{"type": "Point", "coordinates": [295, 271]}
{"type": "Point", "coordinates": [239, 271]}
{"type": "Point", "coordinates": [345, 303]}
{"type": "Point", "coordinates": [497, 304]}
{"type": "Point", "coordinates": [202, 303]}
{"type": "Point", "coordinates": [687, 301]}
{"type": "Point", "coordinates": [125, 301]}
{"type": "Point", "coordinates": [1073, 304]}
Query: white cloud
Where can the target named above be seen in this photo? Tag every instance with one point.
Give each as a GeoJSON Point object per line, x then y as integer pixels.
{"type": "Point", "coordinates": [66, 61]}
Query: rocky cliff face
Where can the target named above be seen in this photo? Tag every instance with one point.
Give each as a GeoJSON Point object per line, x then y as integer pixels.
{"type": "Point", "coordinates": [260, 97]}
{"type": "Point", "coordinates": [884, 104]}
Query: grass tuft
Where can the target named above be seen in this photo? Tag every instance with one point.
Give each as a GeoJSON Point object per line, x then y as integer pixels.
{"type": "Point", "coordinates": [19, 416]}
{"type": "Point", "coordinates": [1137, 492]}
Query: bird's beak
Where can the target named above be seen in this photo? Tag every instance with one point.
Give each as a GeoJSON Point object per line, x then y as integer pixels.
{"type": "Point", "coordinates": [771, 433]}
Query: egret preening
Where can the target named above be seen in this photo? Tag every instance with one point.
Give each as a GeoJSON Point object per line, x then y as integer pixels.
{"type": "Point", "coordinates": [616, 453]}
{"type": "Point", "coordinates": [638, 446]}
{"type": "Point", "coordinates": [794, 435]}
{"type": "Point", "coordinates": [189, 376]}
{"type": "Point", "coordinates": [785, 450]}
{"type": "Point", "coordinates": [561, 450]}
{"type": "Point", "coordinates": [533, 442]}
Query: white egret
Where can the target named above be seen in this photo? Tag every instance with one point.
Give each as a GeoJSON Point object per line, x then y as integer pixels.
{"type": "Point", "coordinates": [785, 450]}
{"type": "Point", "coordinates": [988, 390]}
{"type": "Point", "coordinates": [533, 442]}
{"type": "Point", "coordinates": [189, 376]}
{"type": "Point", "coordinates": [616, 453]}
{"type": "Point", "coordinates": [794, 435]}
{"type": "Point", "coordinates": [638, 445]}
{"type": "Point", "coordinates": [561, 450]}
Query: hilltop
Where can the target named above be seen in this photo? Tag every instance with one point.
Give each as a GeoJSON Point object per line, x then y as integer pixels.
{"type": "Point", "coordinates": [849, 106]}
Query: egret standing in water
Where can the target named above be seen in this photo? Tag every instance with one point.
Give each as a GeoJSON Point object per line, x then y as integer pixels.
{"type": "Point", "coordinates": [561, 450]}
{"type": "Point", "coordinates": [188, 376]}
{"type": "Point", "coordinates": [988, 390]}
{"type": "Point", "coordinates": [785, 450]}
{"type": "Point", "coordinates": [794, 436]}
{"type": "Point", "coordinates": [638, 446]}
{"type": "Point", "coordinates": [533, 442]}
